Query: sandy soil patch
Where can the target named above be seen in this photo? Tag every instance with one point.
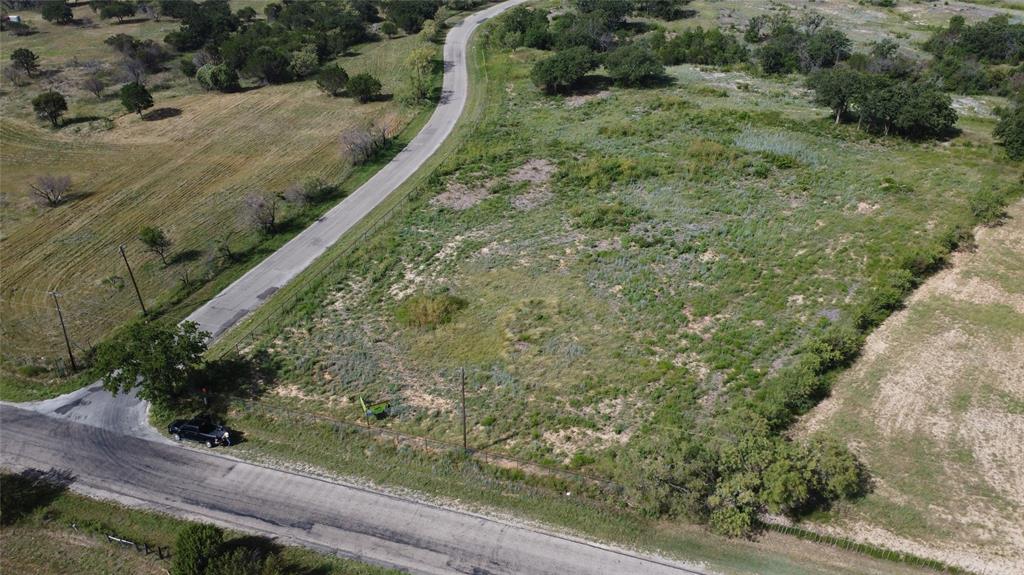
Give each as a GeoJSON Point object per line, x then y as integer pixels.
{"type": "Point", "coordinates": [458, 196]}
{"type": "Point", "coordinates": [538, 173]}
{"type": "Point", "coordinates": [580, 100]}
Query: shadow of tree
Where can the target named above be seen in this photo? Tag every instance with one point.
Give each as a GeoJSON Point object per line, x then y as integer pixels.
{"type": "Point", "coordinates": [22, 493]}
{"type": "Point", "coordinates": [161, 114]}
{"type": "Point", "coordinates": [185, 256]}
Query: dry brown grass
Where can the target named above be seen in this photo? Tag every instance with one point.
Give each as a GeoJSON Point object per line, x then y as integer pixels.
{"type": "Point", "coordinates": [187, 174]}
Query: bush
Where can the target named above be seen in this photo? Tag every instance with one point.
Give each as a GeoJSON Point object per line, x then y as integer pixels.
{"type": "Point", "coordinates": [304, 62]}
{"type": "Point", "coordinates": [564, 69]}
{"type": "Point", "coordinates": [614, 216]}
{"type": "Point", "coordinates": [195, 547]}
{"type": "Point", "coordinates": [363, 87]}
{"type": "Point", "coordinates": [332, 79]}
{"type": "Point", "coordinates": [1010, 132]}
{"type": "Point", "coordinates": [428, 311]}
{"type": "Point", "coordinates": [987, 206]}
{"type": "Point", "coordinates": [50, 106]}
{"type": "Point", "coordinates": [217, 77]}
{"type": "Point", "coordinates": [633, 65]}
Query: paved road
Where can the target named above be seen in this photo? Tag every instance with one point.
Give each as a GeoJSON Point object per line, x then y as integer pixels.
{"type": "Point", "coordinates": [351, 521]}
{"type": "Point", "coordinates": [252, 289]}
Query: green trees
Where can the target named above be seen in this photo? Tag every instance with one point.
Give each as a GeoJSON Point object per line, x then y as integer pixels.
{"type": "Point", "coordinates": [663, 9]}
{"type": "Point", "coordinates": [268, 65]}
{"type": "Point", "coordinates": [217, 77]}
{"type": "Point", "coordinates": [788, 46]}
{"type": "Point", "coordinates": [420, 63]}
{"type": "Point", "coordinates": [409, 15]}
{"type": "Point", "coordinates": [522, 26]}
{"type": "Point", "coordinates": [136, 98]}
{"type": "Point", "coordinates": [1010, 131]}
{"type": "Point", "coordinates": [837, 88]}
{"type": "Point", "coordinates": [26, 60]}
{"type": "Point", "coordinates": [695, 46]}
{"type": "Point", "coordinates": [156, 242]}
{"type": "Point", "coordinates": [163, 361]}
{"type": "Point", "coordinates": [332, 79]}
{"type": "Point", "coordinates": [195, 548]}
{"type": "Point", "coordinates": [57, 12]}
{"type": "Point", "coordinates": [304, 62]}
{"type": "Point", "coordinates": [912, 108]}
{"type": "Point", "coordinates": [564, 69]}
{"type": "Point", "coordinates": [363, 87]}
{"type": "Point", "coordinates": [118, 9]}
{"type": "Point", "coordinates": [633, 64]}
{"type": "Point", "coordinates": [51, 106]}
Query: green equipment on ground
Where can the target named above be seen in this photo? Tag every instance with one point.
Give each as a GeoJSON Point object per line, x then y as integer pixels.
{"type": "Point", "coordinates": [377, 410]}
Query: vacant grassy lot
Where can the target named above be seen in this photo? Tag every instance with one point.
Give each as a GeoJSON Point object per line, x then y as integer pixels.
{"type": "Point", "coordinates": [936, 408]}
{"type": "Point", "coordinates": [68, 535]}
{"type": "Point", "coordinates": [186, 172]}
{"type": "Point", "coordinates": [617, 245]}
{"type": "Point", "coordinates": [619, 265]}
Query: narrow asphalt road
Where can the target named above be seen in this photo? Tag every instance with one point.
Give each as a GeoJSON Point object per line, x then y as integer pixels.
{"type": "Point", "coordinates": [351, 521]}
{"type": "Point", "coordinates": [251, 290]}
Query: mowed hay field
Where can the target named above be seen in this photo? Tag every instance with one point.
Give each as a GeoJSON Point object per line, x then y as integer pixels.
{"type": "Point", "coordinates": [935, 407]}
{"type": "Point", "coordinates": [187, 173]}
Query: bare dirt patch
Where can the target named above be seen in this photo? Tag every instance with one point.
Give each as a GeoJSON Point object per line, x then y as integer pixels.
{"type": "Point", "coordinates": [538, 173]}
{"type": "Point", "coordinates": [459, 196]}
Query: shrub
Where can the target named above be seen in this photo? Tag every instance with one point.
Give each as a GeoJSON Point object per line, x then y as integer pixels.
{"type": "Point", "coordinates": [51, 106]}
{"type": "Point", "coordinates": [428, 310]}
{"type": "Point", "coordinates": [25, 59]}
{"type": "Point", "coordinates": [633, 65]}
{"type": "Point", "coordinates": [614, 216]}
{"type": "Point", "coordinates": [304, 62]}
{"type": "Point", "coordinates": [136, 98]}
{"type": "Point", "coordinates": [217, 77]}
{"type": "Point", "coordinates": [564, 69]}
{"type": "Point", "coordinates": [363, 87]}
{"type": "Point", "coordinates": [1010, 132]}
{"type": "Point", "coordinates": [987, 206]}
{"type": "Point", "coordinates": [332, 79]}
{"type": "Point", "coordinates": [194, 548]}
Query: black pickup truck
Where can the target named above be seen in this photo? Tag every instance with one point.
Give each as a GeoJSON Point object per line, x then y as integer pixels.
{"type": "Point", "coordinates": [201, 430]}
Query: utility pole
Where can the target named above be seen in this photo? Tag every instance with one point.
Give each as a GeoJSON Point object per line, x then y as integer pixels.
{"type": "Point", "coordinates": [64, 329]}
{"type": "Point", "coordinates": [465, 442]}
{"type": "Point", "coordinates": [132, 276]}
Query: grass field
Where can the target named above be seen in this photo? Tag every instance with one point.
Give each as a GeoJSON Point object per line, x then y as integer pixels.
{"type": "Point", "coordinates": [701, 230]}
{"type": "Point", "coordinates": [186, 173]}
{"type": "Point", "coordinates": [936, 408]}
{"type": "Point", "coordinates": [68, 535]}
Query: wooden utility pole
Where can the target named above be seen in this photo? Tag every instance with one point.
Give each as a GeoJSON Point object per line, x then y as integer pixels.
{"type": "Point", "coordinates": [132, 276]}
{"type": "Point", "coordinates": [465, 441]}
{"type": "Point", "coordinates": [63, 328]}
